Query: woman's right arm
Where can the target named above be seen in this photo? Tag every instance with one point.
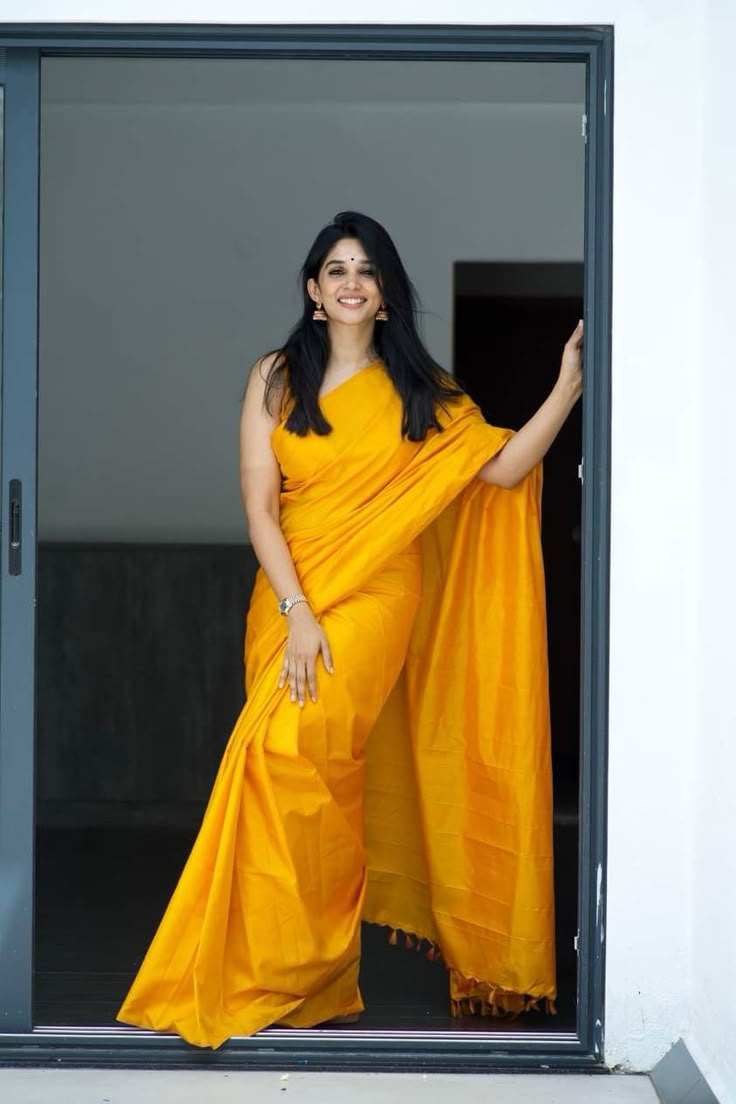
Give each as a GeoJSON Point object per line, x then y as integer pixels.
{"type": "Point", "coordinates": [260, 482]}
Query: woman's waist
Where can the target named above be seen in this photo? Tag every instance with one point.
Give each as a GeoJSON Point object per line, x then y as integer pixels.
{"type": "Point", "coordinates": [403, 563]}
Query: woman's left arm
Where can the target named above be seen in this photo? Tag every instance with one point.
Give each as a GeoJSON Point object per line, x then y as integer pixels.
{"type": "Point", "coordinates": [527, 447]}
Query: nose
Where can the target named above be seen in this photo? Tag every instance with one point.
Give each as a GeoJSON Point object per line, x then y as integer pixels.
{"type": "Point", "coordinates": [352, 279]}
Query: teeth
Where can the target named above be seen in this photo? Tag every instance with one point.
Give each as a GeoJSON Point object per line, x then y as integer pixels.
{"type": "Point", "coordinates": [345, 300]}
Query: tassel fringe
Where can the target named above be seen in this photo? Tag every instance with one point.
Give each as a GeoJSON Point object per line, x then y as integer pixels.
{"type": "Point", "coordinates": [476, 997]}
{"type": "Point", "coordinates": [502, 1004]}
{"type": "Point", "coordinates": [414, 942]}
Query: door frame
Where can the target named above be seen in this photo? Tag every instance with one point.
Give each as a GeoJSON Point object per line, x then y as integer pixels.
{"type": "Point", "coordinates": [19, 76]}
{"type": "Point", "coordinates": [20, 1043]}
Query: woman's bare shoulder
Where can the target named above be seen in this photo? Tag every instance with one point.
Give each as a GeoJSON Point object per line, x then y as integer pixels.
{"type": "Point", "coordinates": [264, 368]}
{"type": "Point", "coordinates": [267, 386]}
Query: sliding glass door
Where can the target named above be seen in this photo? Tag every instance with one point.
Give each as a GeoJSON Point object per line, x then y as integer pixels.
{"type": "Point", "coordinates": [19, 121]}
{"type": "Point", "coordinates": [578, 1041]}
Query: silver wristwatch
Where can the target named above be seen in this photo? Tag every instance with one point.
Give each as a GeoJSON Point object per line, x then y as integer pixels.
{"type": "Point", "coordinates": [286, 603]}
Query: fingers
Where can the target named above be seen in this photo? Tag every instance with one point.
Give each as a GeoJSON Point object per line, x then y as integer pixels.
{"type": "Point", "coordinates": [300, 682]}
{"type": "Point", "coordinates": [312, 680]}
{"type": "Point", "coordinates": [300, 671]}
{"type": "Point", "coordinates": [294, 671]}
{"type": "Point", "coordinates": [288, 674]}
{"type": "Point", "coordinates": [327, 655]}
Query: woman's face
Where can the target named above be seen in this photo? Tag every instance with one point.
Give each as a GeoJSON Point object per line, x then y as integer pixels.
{"type": "Point", "coordinates": [347, 284]}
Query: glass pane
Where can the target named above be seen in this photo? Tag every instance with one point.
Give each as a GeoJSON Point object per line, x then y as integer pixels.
{"type": "Point", "coordinates": [19, 250]}
{"type": "Point", "coordinates": [2, 219]}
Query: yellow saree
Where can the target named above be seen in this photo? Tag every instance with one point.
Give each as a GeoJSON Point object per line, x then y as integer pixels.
{"type": "Point", "coordinates": [417, 791]}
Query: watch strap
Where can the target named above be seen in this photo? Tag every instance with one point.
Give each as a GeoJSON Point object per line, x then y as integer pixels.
{"type": "Point", "coordinates": [293, 599]}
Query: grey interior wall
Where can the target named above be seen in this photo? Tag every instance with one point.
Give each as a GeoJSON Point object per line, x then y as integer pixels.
{"type": "Point", "coordinates": [139, 679]}
{"type": "Point", "coordinates": [178, 200]}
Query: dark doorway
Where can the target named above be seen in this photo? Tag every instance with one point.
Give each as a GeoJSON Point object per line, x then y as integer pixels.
{"type": "Point", "coordinates": [511, 322]}
{"type": "Point", "coordinates": [144, 573]}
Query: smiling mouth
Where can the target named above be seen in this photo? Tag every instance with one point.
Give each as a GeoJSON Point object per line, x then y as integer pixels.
{"type": "Point", "coordinates": [351, 301]}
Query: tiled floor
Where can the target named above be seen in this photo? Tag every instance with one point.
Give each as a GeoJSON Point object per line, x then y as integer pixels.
{"type": "Point", "coordinates": [195, 1087]}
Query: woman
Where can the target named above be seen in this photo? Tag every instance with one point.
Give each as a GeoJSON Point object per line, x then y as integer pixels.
{"type": "Point", "coordinates": [392, 761]}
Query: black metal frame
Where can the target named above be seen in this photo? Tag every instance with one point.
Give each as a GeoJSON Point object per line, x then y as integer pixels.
{"type": "Point", "coordinates": [335, 1048]}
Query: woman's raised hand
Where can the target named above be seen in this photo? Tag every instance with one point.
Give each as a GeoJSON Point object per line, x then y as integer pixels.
{"type": "Point", "coordinates": [529, 445]}
{"type": "Point", "coordinates": [571, 368]}
{"type": "Point", "coordinates": [306, 640]}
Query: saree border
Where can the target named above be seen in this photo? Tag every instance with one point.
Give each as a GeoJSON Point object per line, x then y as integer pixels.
{"type": "Point", "coordinates": [448, 1050]}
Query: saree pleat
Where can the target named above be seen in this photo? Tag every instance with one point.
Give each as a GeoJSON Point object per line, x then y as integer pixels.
{"type": "Point", "coordinates": [416, 792]}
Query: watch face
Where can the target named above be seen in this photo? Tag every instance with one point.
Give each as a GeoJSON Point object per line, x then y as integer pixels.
{"type": "Point", "coordinates": [284, 605]}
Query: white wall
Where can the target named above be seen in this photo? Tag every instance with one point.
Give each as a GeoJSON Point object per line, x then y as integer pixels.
{"type": "Point", "coordinates": [711, 1034]}
{"type": "Point", "coordinates": [670, 908]}
{"type": "Point", "coordinates": [178, 202]}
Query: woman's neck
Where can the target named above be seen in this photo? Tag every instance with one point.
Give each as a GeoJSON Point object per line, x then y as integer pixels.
{"type": "Point", "coordinates": [351, 347]}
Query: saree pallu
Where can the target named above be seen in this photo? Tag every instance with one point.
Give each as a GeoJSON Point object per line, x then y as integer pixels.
{"type": "Point", "coordinates": [417, 791]}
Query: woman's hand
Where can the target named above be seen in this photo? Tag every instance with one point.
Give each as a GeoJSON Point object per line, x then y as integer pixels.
{"type": "Point", "coordinates": [571, 368]}
{"type": "Point", "coordinates": [306, 641]}
{"type": "Point", "coordinates": [527, 447]}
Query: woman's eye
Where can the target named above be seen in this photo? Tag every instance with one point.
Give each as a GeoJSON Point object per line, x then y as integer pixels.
{"type": "Point", "coordinates": [371, 272]}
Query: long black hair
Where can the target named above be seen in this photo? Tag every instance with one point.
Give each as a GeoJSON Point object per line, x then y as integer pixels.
{"type": "Point", "coordinates": [300, 364]}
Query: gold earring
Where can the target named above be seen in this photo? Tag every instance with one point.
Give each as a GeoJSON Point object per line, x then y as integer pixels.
{"type": "Point", "coordinates": [319, 315]}
{"type": "Point", "coordinates": [382, 315]}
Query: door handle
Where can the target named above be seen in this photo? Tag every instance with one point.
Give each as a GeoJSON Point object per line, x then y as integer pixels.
{"type": "Point", "coordinates": [15, 528]}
